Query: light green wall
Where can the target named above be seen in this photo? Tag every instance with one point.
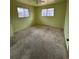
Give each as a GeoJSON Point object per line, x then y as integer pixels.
{"type": "Point", "coordinates": [11, 31]}
{"type": "Point", "coordinates": [66, 26]}
{"type": "Point", "coordinates": [57, 20]}
{"type": "Point", "coordinates": [20, 23]}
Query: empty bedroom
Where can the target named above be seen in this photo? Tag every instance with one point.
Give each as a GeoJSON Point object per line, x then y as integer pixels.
{"type": "Point", "coordinates": [39, 29]}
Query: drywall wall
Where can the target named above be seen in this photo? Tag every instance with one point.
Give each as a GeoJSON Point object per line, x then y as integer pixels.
{"type": "Point", "coordinates": [20, 23]}
{"type": "Point", "coordinates": [11, 31]}
{"type": "Point", "coordinates": [57, 20]}
{"type": "Point", "coordinates": [66, 26]}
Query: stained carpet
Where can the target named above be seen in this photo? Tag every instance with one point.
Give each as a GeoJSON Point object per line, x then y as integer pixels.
{"type": "Point", "coordinates": [38, 42]}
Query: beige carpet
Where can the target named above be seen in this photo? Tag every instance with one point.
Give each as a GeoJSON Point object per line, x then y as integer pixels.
{"type": "Point", "coordinates": [38, 42]}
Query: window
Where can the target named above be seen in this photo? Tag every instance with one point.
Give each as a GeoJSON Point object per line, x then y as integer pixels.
{"type": "Point", "coordinates": [47, 12]}
{"type": "Point", "coordinates": [23, 12]}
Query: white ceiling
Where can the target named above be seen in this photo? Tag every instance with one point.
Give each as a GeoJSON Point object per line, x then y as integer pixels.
{"type": "Point", "coordinates": [33, 2]}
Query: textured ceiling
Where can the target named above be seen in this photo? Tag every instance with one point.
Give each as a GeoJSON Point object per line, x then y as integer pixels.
{"type": "Point", "coordinates": [45, 2]}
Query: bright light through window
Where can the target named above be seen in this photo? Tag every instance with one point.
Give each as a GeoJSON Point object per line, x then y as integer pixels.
{"type": "Point", "coordinates": [48, 12]}
{"type": "Point", "coordinates": [44, 11]}
{"type": "Point", "coordinates": [22, 12]}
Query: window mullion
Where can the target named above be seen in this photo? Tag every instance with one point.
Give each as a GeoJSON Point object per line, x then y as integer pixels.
{"type": "Point", "coordinates": [24, 12]}
{"type": "Point", "coordinates": [46, 12]}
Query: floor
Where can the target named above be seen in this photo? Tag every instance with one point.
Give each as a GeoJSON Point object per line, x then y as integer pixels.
{"type": "Point", "coordinates": [38, 42]}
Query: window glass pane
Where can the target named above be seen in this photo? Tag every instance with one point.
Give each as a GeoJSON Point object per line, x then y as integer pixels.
{"type": "Point", "coordinates": [20, 9]}
{"type": "Point", "coordinates": [50, 12]}
{"type": "Point", "coordinates": [44, 12]}
{"type": "Point", "coordinates": [20, 12]}
{"type": "Point", "coordinates": [26, 12]}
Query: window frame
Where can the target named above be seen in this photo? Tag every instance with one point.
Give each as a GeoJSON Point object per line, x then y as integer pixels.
{"type": "Point", "coordinates": [24, 16]}
{"type": "Point", "coordinates": [47, 12]}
